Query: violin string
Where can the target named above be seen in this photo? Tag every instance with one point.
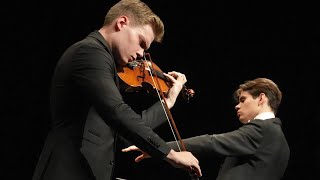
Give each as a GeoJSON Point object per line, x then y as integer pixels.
{"type": "Point", "coordinates": [162, 103]}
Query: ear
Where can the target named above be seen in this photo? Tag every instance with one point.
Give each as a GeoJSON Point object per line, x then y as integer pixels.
{"type": "Point", "coordinates": [262, 98]}
{"type": "Point", "coordinates": [121, 22]}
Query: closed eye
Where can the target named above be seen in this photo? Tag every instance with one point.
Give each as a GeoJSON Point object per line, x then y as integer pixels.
{"type": "Point", "coordinates": [143, 44]}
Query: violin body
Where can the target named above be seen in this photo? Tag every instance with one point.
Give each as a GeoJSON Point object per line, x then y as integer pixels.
{"type": "Point", "coordinates": [140, 75]}
{"type": "Point", "coordinates": [146, 75]}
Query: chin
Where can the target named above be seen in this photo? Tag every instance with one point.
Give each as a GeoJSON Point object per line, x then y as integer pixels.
{"type": "Point", "coordinates": [243, 121]}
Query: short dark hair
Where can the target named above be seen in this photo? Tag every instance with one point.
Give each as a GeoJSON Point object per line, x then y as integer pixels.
{"type": "Point", "coordinates": [261, 85]}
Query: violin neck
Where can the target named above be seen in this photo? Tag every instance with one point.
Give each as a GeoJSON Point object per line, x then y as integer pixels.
{"type": "Point", "coordinates": [159, 75]}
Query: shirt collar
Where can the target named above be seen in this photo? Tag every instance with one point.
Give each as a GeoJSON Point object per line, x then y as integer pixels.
{"type": "Point", "coordinates": [265, 115]}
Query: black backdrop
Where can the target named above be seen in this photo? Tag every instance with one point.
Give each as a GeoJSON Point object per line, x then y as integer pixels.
{"type": "Point", "coordinates": [217, 44]}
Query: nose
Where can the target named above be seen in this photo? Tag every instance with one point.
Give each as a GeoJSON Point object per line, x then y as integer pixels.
{"type": "Point", "coordinates": [140, 53]}
{"type": "Point", "coordinates": [237, 107]}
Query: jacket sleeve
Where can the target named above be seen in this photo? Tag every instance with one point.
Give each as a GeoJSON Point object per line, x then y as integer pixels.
{"type": "Point", "coordinates": [154, 116]}
{"type": "Point", "coordinates": [150, 117]}
{"type": "Point", "coordinates": [244, 141]}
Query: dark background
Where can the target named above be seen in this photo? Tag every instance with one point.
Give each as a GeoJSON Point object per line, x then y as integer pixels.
{"type": "Point", "coordinates": [217, 44]}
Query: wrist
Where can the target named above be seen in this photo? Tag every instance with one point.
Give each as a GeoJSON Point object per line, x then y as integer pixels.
{"type": "Point", "coordinates": [170, 155]}
{"type": "Point", "coordinates": [168, 102]}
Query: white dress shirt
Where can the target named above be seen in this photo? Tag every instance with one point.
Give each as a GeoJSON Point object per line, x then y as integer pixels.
{"type": "Point", "coordinates": [265, 115]}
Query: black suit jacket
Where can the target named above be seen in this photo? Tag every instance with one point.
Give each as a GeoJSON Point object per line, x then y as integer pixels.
{"type": "Point", "coordinates": [87, 114]}
{"type": "Point", "coordinates": [256, 151]}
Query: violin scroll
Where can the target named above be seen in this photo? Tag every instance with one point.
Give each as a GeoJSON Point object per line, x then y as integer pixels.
{"type": "Point", "coordinates": [187, 94]}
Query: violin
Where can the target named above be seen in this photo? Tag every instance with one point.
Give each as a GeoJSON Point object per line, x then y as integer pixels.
{"type": "Point", "coordinates": [145, 74]}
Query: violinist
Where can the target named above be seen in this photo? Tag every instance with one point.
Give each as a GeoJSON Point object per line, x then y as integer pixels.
{"type": "Point", "coordinates": [88, 111]}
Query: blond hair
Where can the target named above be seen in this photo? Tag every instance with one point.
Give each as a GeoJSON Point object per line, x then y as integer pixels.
{"type": "Point", "coordinates": [140, 15]}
